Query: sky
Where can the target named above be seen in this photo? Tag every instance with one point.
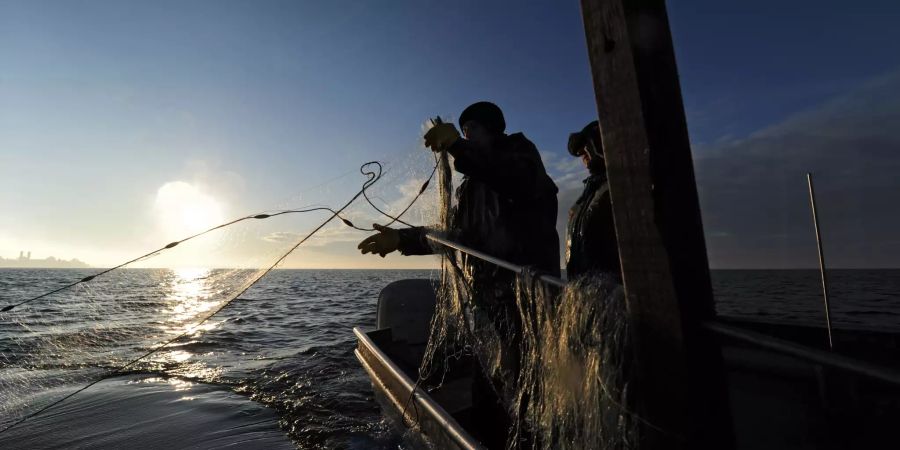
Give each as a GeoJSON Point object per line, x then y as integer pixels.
{"type": "Point", "coordinates": [126, 125]}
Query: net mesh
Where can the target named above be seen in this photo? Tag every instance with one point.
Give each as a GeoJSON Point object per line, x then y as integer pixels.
{"type": "Point", "coordinates": [558, 360]}
{"type": "Point", "coordinates": [150, 315]}
{"type": "Point", "coordinates": [573, 383]}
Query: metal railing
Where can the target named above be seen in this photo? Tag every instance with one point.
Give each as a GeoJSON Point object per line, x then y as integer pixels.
{"type": "Point", "coordinates": [493, 260]}
{"type": "Point", "coordinates": [803, 352]}
{"type": "Point", "coordinates": [822, 357]}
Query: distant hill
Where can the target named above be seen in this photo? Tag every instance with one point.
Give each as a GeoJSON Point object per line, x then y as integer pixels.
{"type": "Point", "coordinates": [25, 261]}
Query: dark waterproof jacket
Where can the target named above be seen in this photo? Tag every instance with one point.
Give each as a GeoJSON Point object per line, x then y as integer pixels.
{"type": "Point", "coordinates": [591, 237]}
{"type": "Point", "coordinates": [506, 205]}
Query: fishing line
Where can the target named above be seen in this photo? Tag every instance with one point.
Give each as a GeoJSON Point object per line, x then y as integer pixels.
{"type": "Point", "coordinates": [437, 162]}
{"type": "Point", "coordinates": [260, 216]}
{"type": "Point", "coordinates": [373, 178]}
{"type": "Point", "coordinates": [169, 246]}
{"type": "Point", "coordinates": [419, 194]}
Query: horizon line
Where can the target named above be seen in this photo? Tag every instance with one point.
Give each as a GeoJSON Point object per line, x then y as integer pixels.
{"type": "Point", "coordinates": [410, 268]}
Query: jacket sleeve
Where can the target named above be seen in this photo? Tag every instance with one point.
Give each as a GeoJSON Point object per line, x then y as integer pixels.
{"type": "Point", "coordinates": [414, 242]}
{"type": "Point", "coordinates": [512, 173]}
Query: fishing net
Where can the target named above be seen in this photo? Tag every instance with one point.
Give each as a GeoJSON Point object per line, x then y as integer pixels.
{"type": "Point", "coordinates": [573, 383]}
{"type": "Point", "coordinates": [151, 315]}
{"type": "Point", "coordinates": [557, 360]}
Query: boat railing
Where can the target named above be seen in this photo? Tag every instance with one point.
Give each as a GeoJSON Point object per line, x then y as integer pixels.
{"type": "Point", "coordinates": [494, 260]}
{"type": "Point", "coordinates": [825, 358]}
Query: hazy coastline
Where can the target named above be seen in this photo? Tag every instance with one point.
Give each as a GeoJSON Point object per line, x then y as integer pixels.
{"type": "Point", "coordinates": [50, 262]}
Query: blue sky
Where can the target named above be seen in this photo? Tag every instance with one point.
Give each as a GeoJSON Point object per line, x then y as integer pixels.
{"type": "Point", "coordinates": [103, 104]}
{"type": "Point", "coordinates": [746, 65]}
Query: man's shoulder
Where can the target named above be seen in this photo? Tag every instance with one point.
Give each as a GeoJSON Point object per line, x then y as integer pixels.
{"type": "Point", "coordinates": [519, 144]}
{"type": "Point", "coordinates": [518, 139]}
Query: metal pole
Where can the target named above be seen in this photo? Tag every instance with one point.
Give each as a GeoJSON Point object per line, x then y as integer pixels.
{"type": "Point", "coordinates": [806, 353]}
{"type": "Point", "coordinates": [496, 261]}
{"type": "Point", "coordinates": [812, 203]}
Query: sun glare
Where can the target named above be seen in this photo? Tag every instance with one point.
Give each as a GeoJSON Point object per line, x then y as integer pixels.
{"type": "Point", "coordinates": [183, 208]}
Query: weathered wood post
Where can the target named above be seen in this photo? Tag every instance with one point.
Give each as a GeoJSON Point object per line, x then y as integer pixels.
{"type": "Point", "coordinates": [679, 380]}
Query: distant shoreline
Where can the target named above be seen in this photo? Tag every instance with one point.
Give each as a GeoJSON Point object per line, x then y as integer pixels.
{"type": "Point", "coordinates": [85, 266]}
{"type": "Point", "coordinates": [48, 263]}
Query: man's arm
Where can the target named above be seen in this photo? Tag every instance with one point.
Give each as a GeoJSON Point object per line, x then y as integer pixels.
{"type": "Point", "coordinates": [414, 242]}
{"type": "Point", "coordinates": [409, 241]}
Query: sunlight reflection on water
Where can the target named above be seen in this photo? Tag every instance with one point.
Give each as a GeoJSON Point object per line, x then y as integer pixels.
{"type": "Point", "coordinates": [190, 296]}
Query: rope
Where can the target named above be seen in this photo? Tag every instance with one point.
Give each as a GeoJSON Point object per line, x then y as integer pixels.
{"type": "Point", "coordinates": [259, 216]}
{"type": "Point", "coordinates": [373, 178]}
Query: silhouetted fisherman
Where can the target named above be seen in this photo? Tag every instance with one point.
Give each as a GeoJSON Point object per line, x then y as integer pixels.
{"type": "Point", "coordinates": [591, 235]}
{"type": "Point", "coordinates": [506, 207]}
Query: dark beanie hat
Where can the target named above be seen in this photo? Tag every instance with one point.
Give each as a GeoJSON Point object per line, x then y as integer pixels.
{"type": "Point", "coordinates": [487, 114]}
{"type": "Point", "coordinates": [589, 134]}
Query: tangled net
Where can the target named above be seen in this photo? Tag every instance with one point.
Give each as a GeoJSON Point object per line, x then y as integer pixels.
{"type": "Point", "coordinates": [564, 382]}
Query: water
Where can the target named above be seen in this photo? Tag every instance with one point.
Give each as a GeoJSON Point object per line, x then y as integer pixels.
{"type": "Point", "coordinates": [864, 298]}
{"type": "Point", "coordinates": [288, 342]}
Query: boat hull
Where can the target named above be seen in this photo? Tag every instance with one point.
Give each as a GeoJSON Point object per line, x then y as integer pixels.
{"type": "Point", "coordinates": [402, 400]}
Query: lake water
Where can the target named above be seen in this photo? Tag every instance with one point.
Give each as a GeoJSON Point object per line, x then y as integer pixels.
{"type": "Point", "coordinates": [278, 364]}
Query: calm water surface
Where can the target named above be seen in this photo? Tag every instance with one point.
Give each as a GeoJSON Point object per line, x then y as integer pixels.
{"type": "Point", "coordinates": [288, 343]}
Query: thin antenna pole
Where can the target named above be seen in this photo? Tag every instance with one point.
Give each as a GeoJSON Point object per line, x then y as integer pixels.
{"type": "Point", "coordinates": [812, 204]}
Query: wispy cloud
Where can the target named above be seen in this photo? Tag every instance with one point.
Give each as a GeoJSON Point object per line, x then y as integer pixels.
{"type": "Point", "coordinates": [754, 195]}
{"type": "Point", "coordinates": [280, 237]}
{"type": "Point", "coordinates": [392, 199]}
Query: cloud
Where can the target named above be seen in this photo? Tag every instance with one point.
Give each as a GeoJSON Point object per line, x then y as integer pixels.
{"type": "Point", "coordinates": [362, 215]}
{"type": "Point", "coordinates": [754, 195]}
{"type": "Point", "coordinates": [568, 173]}
{"type": "Point", "coordinates": [338, 234]}
{"type": "Point", "coordinates": [326, 236]}
{"type": "Point", "coordinates": [753, 188]}
{"type": "Point", "coordinates": [280, 237]}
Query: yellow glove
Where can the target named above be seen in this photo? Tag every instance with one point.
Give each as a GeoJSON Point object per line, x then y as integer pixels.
{"type": "Point", "coordinates": [441, 136]}
{"type": "Point", "coordinates": [386, 241]}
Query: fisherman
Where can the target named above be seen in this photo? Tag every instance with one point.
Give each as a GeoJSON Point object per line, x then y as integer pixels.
{"type": "Point", "coordinates": [506, 207]}
{"type": "Point", "coordinates": [506, 201]}
{"type": "Point", "coordinates": [591, 245]}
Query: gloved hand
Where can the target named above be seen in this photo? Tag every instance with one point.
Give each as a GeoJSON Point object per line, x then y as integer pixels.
{"type": "Point", "coordinates": [441, 136]}
{"type": "Point", "coordinates": [386, 241]}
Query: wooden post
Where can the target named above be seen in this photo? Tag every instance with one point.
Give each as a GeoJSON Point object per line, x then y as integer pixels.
{"type": "Point", "coordinates": [679, 380]}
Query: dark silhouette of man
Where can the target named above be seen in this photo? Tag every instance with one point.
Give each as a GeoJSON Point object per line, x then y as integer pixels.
{"type": "Point", "coordinates": [506, 207]}
{"type": "Point", "coordinates": [506, 203]}
{"type": "Point", "coordinates": [591, 244]}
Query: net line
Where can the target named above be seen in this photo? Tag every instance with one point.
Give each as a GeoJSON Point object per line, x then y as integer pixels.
{"type": "Point", "coordinates": [374, 175]}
